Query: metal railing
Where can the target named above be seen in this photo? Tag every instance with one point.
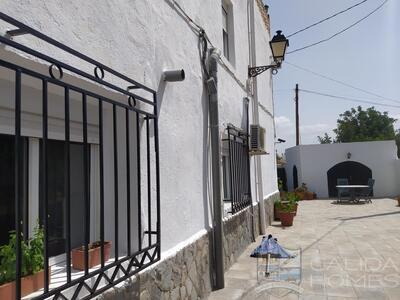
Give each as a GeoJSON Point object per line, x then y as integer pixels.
{"type": "Point", "coordinates": [92, 281]}
{"type": "Point", "coordinates": [239, 168]}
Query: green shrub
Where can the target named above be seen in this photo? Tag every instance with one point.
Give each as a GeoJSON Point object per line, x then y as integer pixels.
{"type": "Point", "coordinates": [280, 185]}
{"type": "Point", "coordinates": [32, 256]}
{"type": "Point", "coordinates": [302, 189]}
{"type": "Point", "coordinates": [291, 197]}
{"type": "Point", "coordinates": [287, 206]}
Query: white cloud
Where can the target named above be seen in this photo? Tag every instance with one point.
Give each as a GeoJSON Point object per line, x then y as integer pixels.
{"type": "Point", "coordinates": [314, 129]}
{"type": "Point", "coordinates": [285, 126]}
{"type": "Point", "coordinates": [283, 122]}
{"type": "Point", "coordinates": [396, 116]}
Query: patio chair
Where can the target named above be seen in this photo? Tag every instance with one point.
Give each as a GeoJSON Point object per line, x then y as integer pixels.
{"type": "Point", "coordinates": [366, 193]}
{"type": "Point", "coordinates": [342, 192]}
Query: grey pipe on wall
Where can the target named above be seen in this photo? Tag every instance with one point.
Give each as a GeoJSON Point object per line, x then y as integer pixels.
{"type": "Point", "coordinates": [216, 174]}
{"type": "Point", "coordinates": [174, 75]}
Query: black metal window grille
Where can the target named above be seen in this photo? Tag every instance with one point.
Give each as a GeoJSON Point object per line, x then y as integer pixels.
{"type": "Point", "coordinates": [237, 169]}
{"type": "Point", "coordinates": [118, 112]}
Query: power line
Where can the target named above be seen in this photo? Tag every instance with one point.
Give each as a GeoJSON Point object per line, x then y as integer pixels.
{"type": "Point", "coordinates": [341, 31]}
{"type": "Point", "coordinates": [328, 18]}
{"type": "Point", "coordinates": [348, 98]}
{"type": "Point", "coordinates": [342, 82]}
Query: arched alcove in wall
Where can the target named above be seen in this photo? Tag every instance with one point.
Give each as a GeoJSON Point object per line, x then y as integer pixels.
{"type": "Point", "coordinates": [295, 178]}
{"type": "Point", "coordinates": [355, 172]}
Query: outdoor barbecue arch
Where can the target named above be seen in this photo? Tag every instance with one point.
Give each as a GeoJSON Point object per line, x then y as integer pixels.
{"type": "Point", "coordinates": [355, 172]}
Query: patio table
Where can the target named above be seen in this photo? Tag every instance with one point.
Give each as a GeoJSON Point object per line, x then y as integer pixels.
{"type": "Point", "coordinates": [352, 188]}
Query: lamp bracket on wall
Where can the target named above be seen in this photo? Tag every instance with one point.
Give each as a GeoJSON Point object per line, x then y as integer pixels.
{"type": "Point", "coordinates": [255, 71]}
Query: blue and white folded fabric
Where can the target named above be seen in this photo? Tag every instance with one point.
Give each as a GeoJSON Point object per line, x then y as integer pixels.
{"type": "Point", "coordinates": [269, 245]}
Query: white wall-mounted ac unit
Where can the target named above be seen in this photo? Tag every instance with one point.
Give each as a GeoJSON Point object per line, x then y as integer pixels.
{"type": "Point", "coordinates": [257, 140]}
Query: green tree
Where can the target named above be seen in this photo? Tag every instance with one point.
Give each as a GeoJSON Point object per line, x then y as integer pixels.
{"type": "Point", "coordinates": [397, 139]}
{"type": "Point", "coordinates": [326, 139]}
{"type": "Point", "coordinates": [358, 125]}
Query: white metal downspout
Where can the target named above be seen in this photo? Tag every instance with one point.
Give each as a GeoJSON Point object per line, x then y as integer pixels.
{"type": "Point", "coordinates": [257, 158]}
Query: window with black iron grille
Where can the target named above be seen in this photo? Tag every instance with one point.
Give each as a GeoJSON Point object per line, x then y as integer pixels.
{"type": "Point", "coordinates": [236, 169]}
{"type": "Point", "coordinates": [85, 163]}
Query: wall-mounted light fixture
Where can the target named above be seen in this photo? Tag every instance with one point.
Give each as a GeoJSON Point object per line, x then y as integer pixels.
{"type": "Point", "coordinates": [348, 155]}
{"type": "Point", "coordinates": [279, 141]}
{"type": "Point", "coordinates": [278, 45]}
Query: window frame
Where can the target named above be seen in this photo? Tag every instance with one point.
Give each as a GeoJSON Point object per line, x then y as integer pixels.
{"type": "Point", "coordinates": [228, 36]}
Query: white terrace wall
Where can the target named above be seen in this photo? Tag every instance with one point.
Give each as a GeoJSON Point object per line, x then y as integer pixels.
{"type": "Point", "coordinates": [143, 38]}
{"type": "Point", "coordinates": [313, 162]}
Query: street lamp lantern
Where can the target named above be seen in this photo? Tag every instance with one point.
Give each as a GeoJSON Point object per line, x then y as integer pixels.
{"type": "Point", "coordinates": [278, 44]}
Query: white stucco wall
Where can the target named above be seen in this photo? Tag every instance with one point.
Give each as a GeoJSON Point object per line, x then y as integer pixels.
{"type": "Point", "coordinates": [292, 156]}
{"type": "Point", "coordinates": [141, 39]}
{"type": "Point", "coordinates": [313, 162]}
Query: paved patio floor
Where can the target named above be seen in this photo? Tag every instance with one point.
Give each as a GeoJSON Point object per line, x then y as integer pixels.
{"type": "Point", "coordinates": [349, 251]}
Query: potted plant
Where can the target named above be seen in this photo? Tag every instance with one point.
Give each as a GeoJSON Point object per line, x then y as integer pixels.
{"type": "Point", "coordinates": [294, 199]}
{"type": "Point", "coordinates": [31, 267]}
{"type": "Point", "coordinates": [301, 191]}
{"type": "Point", "coordinates": [304, 193]}
{"type": "Point", "coordinates": [277, 204]}
{"type": "Point", "coordinates": [94, 252]}
{"type": "Point", "coordinates": [280, 188]}
{"type": "Point", "coordinates": [287, 213]}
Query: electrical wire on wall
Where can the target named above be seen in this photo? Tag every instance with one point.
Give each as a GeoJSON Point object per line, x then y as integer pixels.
{"type": "Point", "coordinates": [204, 41]}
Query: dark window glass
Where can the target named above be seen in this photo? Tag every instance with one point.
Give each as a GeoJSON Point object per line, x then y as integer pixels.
{"type": "Point", "coordinates": [56, 196]}
{"type": "Point", "coordinates": [7, 186]}
{"type": "Point", "coordinates": [226, 177]}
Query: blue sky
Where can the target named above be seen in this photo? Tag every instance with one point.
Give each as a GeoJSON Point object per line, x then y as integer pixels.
{"type": "Point", "coordinates": [364, 56]}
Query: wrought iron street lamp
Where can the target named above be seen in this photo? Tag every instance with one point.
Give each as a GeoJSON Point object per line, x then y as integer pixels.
{"type": "Point", "coordinates": [278, 45]}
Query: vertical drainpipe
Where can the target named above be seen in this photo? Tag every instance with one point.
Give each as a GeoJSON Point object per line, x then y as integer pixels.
{"type": "Point", "coordinates": [257, 159]}
{"type": "Point", "coordinates": [216, 173]}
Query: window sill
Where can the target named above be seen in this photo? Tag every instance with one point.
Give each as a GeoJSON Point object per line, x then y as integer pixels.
{"type": "Point", "coordinates": [58, 277]}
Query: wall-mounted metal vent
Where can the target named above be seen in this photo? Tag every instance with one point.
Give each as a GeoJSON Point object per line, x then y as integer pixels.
{"type": "Point", "coordinates": [257, 140]}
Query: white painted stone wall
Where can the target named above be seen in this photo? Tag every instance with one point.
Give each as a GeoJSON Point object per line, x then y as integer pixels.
{"type": "Point", "coordinates": [140, 39]}
{"type": "Point", "coordinates": [313, 162]}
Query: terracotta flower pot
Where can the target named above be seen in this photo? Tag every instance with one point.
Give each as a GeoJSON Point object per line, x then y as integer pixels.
{"type": "Point", "coordinates": [301, 195]}
{"type": "Point", "coordinates": [276, 213]}
{"type": "Point", "coordinates": [308, 196]}
{"type": "Point", "coordinates": [295, 209]}
{"type": "Point", "coordinates": [29, 284]}
{"type": "Point", "coordinates": [286, 218]}
{"type": "Point", "coordinates": [78, 256]}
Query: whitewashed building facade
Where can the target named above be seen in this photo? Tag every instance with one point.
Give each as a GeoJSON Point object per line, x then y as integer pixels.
{"type": "Point", "coordinates": [128, 158]}
{"type": "Point", "coordinates": [319, 166]}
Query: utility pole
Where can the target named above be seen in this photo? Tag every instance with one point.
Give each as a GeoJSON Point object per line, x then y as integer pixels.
{"type": "Point", "coordinates": [296, 100]}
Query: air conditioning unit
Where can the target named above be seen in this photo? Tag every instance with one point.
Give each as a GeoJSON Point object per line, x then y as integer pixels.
{"type": "Point", "coordinates": [257, 140]}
